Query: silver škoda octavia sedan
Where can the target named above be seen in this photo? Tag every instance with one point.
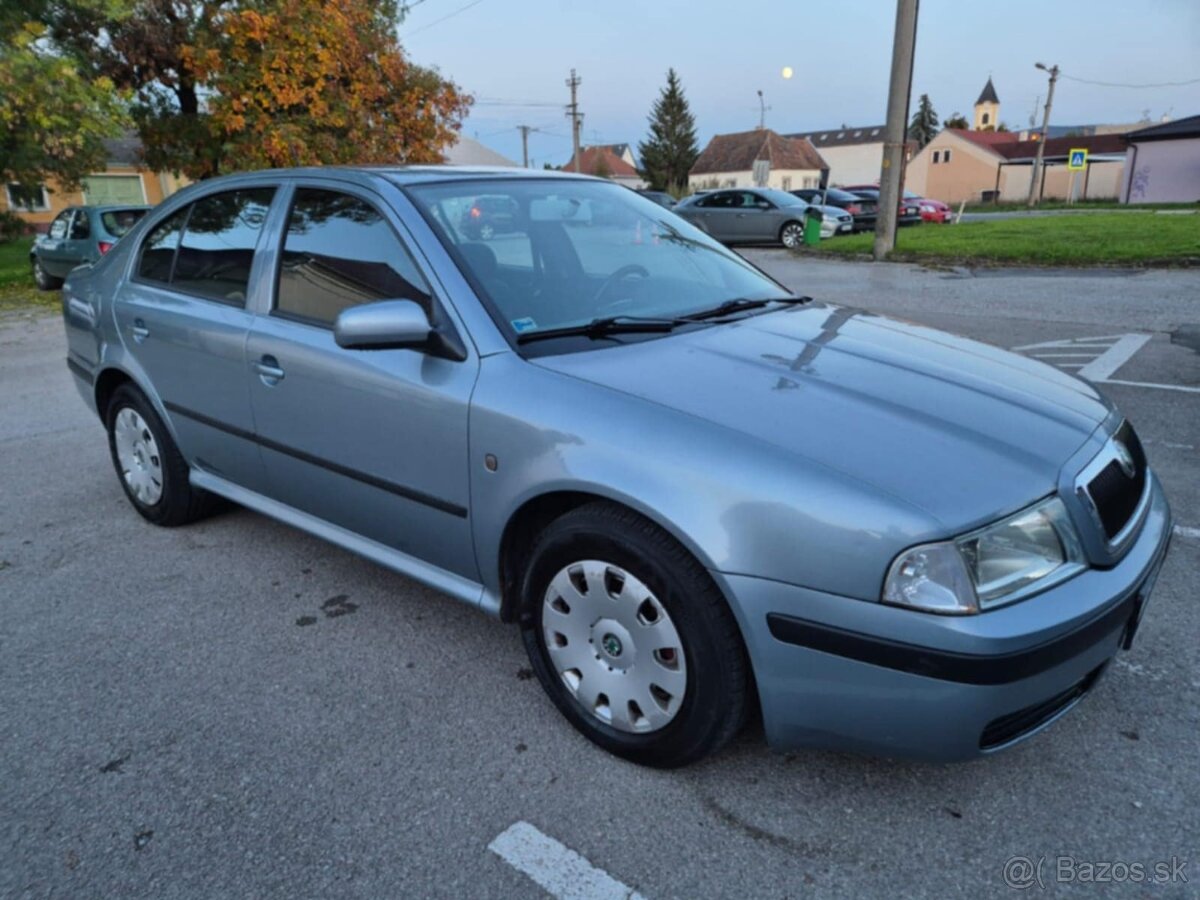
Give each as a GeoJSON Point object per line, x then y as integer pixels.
{"type": "Point", "coordinates": [693, 490]}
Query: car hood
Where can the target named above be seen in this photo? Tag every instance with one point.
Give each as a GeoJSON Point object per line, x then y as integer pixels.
{"type": "Point", "coordinates": [962, 430]}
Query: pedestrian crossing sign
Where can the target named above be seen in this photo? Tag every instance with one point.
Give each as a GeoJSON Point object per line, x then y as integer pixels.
{"type": "Point", "coordinates": [1078, 159]}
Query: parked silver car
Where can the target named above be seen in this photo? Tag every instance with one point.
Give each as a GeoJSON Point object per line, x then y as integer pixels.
{"type": "Point", "coordinates": [758, 216]}
{"type": "Point", "coordinates": [694, 491]}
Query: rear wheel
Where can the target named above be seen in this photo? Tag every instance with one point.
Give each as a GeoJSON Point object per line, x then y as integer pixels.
{"type": "Point", "coordinates": [631, 639]}
{"type": "Point", "coordinates": [152, 471]}
{"type": "Point", "coordinates": [43, 279]}
{"type": "Point", "coordinates": [791, 235]}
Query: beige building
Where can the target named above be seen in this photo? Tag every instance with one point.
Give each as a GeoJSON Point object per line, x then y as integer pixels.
{"type": "Point", "coordinates": [759, 158]}
{"type": "Point", "coordinates": [978, 166]}
{"type": "Point", "coordinates": [124, 181]}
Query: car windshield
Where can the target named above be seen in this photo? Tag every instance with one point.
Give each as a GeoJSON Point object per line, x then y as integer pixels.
{"type": "Point", "coordinates": [573, 251]}
{"type": "Point", "coordinates": [118, 221]}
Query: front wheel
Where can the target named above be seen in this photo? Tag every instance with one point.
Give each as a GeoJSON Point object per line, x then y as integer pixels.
{"type": "Point", "coordinates": [153, 472]}
{"type": "Point", "coordinates": [43, 279]}
{"type": "Point", "coordinates": [792, 235]}
{"type": "Point", "coordinates": [631, 639]}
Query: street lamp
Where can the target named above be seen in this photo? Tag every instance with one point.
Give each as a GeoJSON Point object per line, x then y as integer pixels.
{"type": "Point", "coordinates": [1037, 162]}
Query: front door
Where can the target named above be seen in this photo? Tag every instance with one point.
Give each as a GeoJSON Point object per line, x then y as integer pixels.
{"type": "Point", "coordinates": [756, 217]}
{"type": "Point", "coordinates": [183, 318]}
{"type": "Point", "coordinates": [53, 249]}
{"type": "Point", "coordinates": [374, 441]}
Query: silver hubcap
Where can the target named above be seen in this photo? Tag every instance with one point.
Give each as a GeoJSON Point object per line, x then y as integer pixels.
{"type": "Point", "coordinates": [137, 452]}
{"type": "Point", "coordinates": [792, 235]}
{"type": "Point", "coordinates": [614, 646]}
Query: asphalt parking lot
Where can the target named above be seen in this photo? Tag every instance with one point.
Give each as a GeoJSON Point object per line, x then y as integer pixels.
{"type": "Point", "coordinates": [237, 709]}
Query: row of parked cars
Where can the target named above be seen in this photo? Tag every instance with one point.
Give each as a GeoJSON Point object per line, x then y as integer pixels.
{"type": "Point", "coordinates": [765, 214]}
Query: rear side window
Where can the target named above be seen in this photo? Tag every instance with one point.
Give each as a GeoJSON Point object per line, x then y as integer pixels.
{"type": "Point", "coordinates": [217, 248]}
{"type": "Point", "coordinates": [118, 221]}
{"type": "Point", "coordinates": [158, 250]}
{"type": "Point", "coordinates": [340, 252]}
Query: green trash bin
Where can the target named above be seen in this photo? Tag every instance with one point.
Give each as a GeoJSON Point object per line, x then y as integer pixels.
{"type": "Point", "coordinates": [812, 226]}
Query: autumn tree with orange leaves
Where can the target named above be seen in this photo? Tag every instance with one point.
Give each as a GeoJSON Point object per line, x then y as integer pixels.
{"type": "Point", "coordinates": [228, 85]}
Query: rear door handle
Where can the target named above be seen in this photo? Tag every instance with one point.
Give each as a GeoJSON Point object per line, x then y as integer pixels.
{"type": "Point", "coordinates": [139, 330]}
{"type": "Point", "coordinates": [269, 371]}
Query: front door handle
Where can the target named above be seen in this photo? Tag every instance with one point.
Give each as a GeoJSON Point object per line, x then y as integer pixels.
{"type": "Point", "coordinates": [139, 330]}
{"type": "Point", "coordinates": [269, 371]}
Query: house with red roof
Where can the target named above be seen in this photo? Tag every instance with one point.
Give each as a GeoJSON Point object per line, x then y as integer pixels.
{"type": "Point", "coordinates": [978, 166]}
{"type": "Point", "coordinates": [605, 161]}
{"type": "Point", "coordinates": [759, 158]}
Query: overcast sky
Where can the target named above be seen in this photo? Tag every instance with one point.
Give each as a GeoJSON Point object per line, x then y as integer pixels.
{"type": "Point", "coordinates": [507, 52]}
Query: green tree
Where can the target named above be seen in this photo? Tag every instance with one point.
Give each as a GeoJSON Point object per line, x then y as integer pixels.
{"type": "Point", "coordinates": [671, 149]}
{"type": "Point", "coordinates": [53, 117]}
{"type": "Point", "coordinates": [957, 120]}
{"type": "Point", "coordinates": [924, 125]}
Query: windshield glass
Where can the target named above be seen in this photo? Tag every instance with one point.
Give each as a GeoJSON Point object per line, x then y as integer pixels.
{"type": "Point", "coordinates": [556, 253]}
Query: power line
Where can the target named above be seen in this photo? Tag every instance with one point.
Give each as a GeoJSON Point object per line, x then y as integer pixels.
{"type": "Point", "coordinates": [1114, 84]}
{"type": "Point", "coordinates": [450, 15]}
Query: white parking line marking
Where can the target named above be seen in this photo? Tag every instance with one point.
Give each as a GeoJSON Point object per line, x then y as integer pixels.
{"type": "Point", "coordinates": [1074, 342]}
{"type": "Point", "coordinates": [1107, 363]}
{"type": "Point", "coordinates": [1187, 531]}
{"type": "Point", "coordinates": [557, 868]}
{"type": "Point", "coordinates": [1149, 384]}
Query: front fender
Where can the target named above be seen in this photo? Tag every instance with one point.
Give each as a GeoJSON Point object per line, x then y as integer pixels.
{"type": "Point", "coordinates": [741, 506]}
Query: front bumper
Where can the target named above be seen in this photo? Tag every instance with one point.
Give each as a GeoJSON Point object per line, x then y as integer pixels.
{"type": "Point", "coordinates": [846, 674]}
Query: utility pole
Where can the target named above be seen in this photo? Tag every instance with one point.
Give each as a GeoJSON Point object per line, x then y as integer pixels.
{"type": "Point", "coordinates": [896, 131]}
{"type": "Point", "coordinates": [1037, 160]}
{"type": "Point", "coordinates": [574, 115]}
{"type": "Point", "coordinates": [525, 129]}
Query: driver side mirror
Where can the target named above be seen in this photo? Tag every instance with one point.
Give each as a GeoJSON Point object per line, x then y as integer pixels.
{"type": "Point", "coordinates": [393, 325]}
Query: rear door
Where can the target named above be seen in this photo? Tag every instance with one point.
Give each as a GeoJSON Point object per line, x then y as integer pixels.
{"type": "Point", "coordinates": [719, 214]}
{"type": "Point", "coordinates": [374, 441]}
{"type": "Point", "coordinates": [758, 219]}
{"type": "Point", "coordinates": [183, 317]}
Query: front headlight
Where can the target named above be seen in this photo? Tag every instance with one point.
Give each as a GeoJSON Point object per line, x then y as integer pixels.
{"type": "Point", "coordinates": [1000, 563]}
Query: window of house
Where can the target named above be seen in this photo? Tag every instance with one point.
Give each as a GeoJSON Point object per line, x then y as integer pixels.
{"type": "Point", "coordinates": [810, 182]}
{"type": "Point", "coordinates": [25, 199]}
{"type": "Point", "coordinates": [340, 252]}
{"type": "Point", "coordinates": [986, 118]}
{"type": "Point", "coordinates": [730, 182]}
{"type": "Point", "coordinates": [217, 248]}
{"type": "Point", "coordinates": [945, 156]}
{"type": "Point", "coordinates": [787, 182]}
{"type": "Point", "coordinates": [937, 156]}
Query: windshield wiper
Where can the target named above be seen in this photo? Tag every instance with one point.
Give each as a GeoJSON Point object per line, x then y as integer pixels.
{"type": "Point", "coordinates": [608, 325]}
{"type": "Point", "coordinates": [741, 304]}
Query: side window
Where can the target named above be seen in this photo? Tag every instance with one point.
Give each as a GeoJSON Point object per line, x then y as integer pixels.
{"type": "Point", "coordinates": [58, 228]}
{"type": "Point", "coordinates": [340, 252]}
{"type": "Point", "coordinates": [80, 226]}
{"type": "Point", "coordinates": [217, 248]}
{"type": "Point", "coordinates": [157, 255]}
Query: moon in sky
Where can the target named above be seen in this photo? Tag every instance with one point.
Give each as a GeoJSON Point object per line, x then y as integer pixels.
{"type": "Point", "coordinates": [787, 71]}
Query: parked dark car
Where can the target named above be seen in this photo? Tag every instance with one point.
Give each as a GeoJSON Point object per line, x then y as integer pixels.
{"type": "Point", "coordinates": [863, 210]}
{"type": "Point", "coordinates": [488, 216]}
{"type": "Point", "coordinates": [79, 235]}
{"type": "Point", "coordinates": [909, 212]}
{"type": "Point", "coordinates": [662, 198]}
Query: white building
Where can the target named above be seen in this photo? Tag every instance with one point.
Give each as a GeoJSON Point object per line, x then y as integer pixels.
{"type": "Point", "coordinates": [729, 161]}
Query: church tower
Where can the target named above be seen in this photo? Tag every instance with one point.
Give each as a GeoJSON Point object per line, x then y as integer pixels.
{"type": "Point", "coordinates": [987, 108]}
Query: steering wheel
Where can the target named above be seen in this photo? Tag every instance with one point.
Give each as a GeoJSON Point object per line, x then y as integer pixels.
{"type": "Point", "coordinates": [630, 271]}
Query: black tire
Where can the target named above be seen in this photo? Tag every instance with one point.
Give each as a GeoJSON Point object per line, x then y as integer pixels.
{"type": "Point", "coordinates": [43, 279]}
{"type": "Point", "coordinates": [715, 700]}
{"type": "Point", "coordinates": [180, 503]}
{"type": "Point", "coordinates": [784, 230]}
